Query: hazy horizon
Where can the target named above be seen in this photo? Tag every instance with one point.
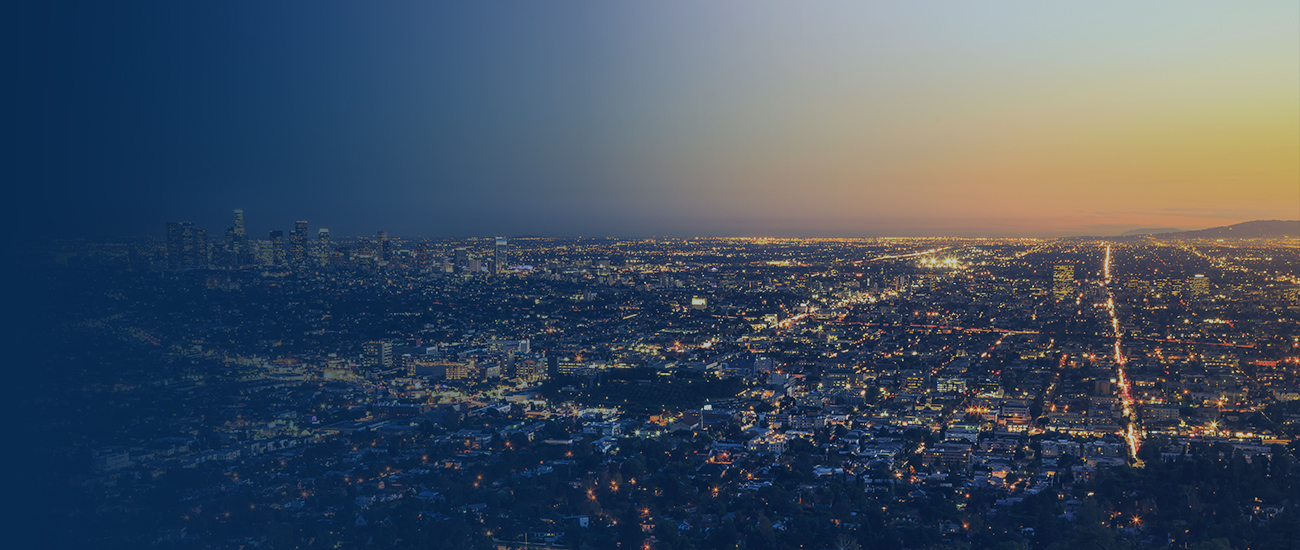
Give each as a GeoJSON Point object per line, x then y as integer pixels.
{"type": "Point", "coordinates": [1008, 119]}
{"type": "Point", "coordinates": [216, 230]}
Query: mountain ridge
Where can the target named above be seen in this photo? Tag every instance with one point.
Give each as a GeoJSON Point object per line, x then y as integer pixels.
{"type": "Point", "coordinates": [1257, 229]}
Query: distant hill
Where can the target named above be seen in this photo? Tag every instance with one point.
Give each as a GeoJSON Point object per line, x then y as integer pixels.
{"type": "Point", "coordinates": [1260, 229]}
{"type": "Point", "coordinates": [1151, 231]}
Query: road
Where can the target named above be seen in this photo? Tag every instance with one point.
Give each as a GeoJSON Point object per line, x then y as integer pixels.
{"type": "Point", "coordinates": [1133, 434]}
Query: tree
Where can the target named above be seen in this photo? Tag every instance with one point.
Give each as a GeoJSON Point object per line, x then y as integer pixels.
{"type": "Point", "coordinates": [845, 542]}
{"type": "Point", "coordinates": [1213, 544]}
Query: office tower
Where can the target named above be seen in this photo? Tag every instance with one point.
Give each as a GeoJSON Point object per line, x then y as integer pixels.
{"type": "Point", "coordinates": [236, 250]}
{"type": "Point", "coordinates": [260, 252]}
{"type": "Point", "coordinates": [422, 256]}
{"type": "Point", "coordinates": [462, 258]}
{"type": "Point", "coordinates": [201, 252]}
{"type": "Point", "coordinates": [1197, 287]}
{"type": "Point", "coordinates": [385, 248]}
{"type": "Point", "coordinates": [1063, 281]}
{"type": "Point", "coordinates": [323, 249]}
{"type": "Point", "coordinates": [187, 245]}
{"type": "Point", "coordinates": [227, 253]}
{"type": "Point", "coordinates": [500, 256]}
{"type": "Point", "coordinates": [364, 247]}
{"type": "Point", "coordinates": [298, 243]}
{"type": "Point", "coordinates": [377, 354]}
{"type": "Point", "coordinates": [277, 248]}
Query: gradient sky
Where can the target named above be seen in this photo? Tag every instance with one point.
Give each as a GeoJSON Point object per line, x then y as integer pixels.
{"type": "Point", "coordinates": [658, 118]}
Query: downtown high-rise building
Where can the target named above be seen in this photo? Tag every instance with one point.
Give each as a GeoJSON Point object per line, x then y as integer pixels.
{"type": "Point", "coordinates": [500, 255]}
{"type": "Point", "coordinates": [1063, 281]}
{"type": "Point", "coordinates": [383, 248]}
{"type": "Point", "coordinates": [187, 245]}
{"type": "Point", "coordinates": [238, 250]}
{"type": "Point", "coordinates": [1196, 287]}
{"type": "Point", "coordinates": [298, 244]}
{"type": "Point", "coordinates": [422, 256]}
{"type": "Point", "coordinates": [323, 248]}
{"type": "Point", "coordinates": [462, 258]}
{"type": "Point", "coordinates": [277, 247]}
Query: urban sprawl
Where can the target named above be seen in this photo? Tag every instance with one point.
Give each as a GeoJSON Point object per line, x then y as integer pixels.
{"type": "Point", "coordinates": [667, 393]}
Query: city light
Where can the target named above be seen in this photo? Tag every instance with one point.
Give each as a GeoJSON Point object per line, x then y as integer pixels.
{"type": "Point", "coordinates": [692, 373]}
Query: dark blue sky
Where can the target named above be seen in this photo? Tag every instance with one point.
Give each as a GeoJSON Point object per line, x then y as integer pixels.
{"type": "Point", "coordinates": [610, 118]}
{"type": "Point", "coordinates": [416, 120]}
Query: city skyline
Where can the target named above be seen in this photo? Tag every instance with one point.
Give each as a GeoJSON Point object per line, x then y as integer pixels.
{"type": "Point", "coordinates": [272, 229]}
{"type": "Point", "coordinates": [833, 120]}
{"type": "Point", "coordinates": [576, 275]}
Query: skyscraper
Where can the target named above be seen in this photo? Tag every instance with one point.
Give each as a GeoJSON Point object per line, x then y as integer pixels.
{"type": "Point", "coordinates": [187, 245]}
{"type": "Point", "coordinates": [501, 256]}
{"type": "Point", "coordinates": [1063, 281]}
{"type": "Point", "coordinates": [1197, 287]}
{"type": "Point", "coordinates": [298, 243]}
{"type": "Point", "coordinates": [277, 248]}
{"type": "Point", "coordinates": [228, 254]}
{"type": "Point", "coordinates": [462, 258]}
{"type": "Point", "coordinates": [422, 256]}
{"type": "Point", "coordinates": [237, 250]}
{"type": "Point", "coordinates": [323, 250]}
{"type": "Point", "coordinates": [385, 247]}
